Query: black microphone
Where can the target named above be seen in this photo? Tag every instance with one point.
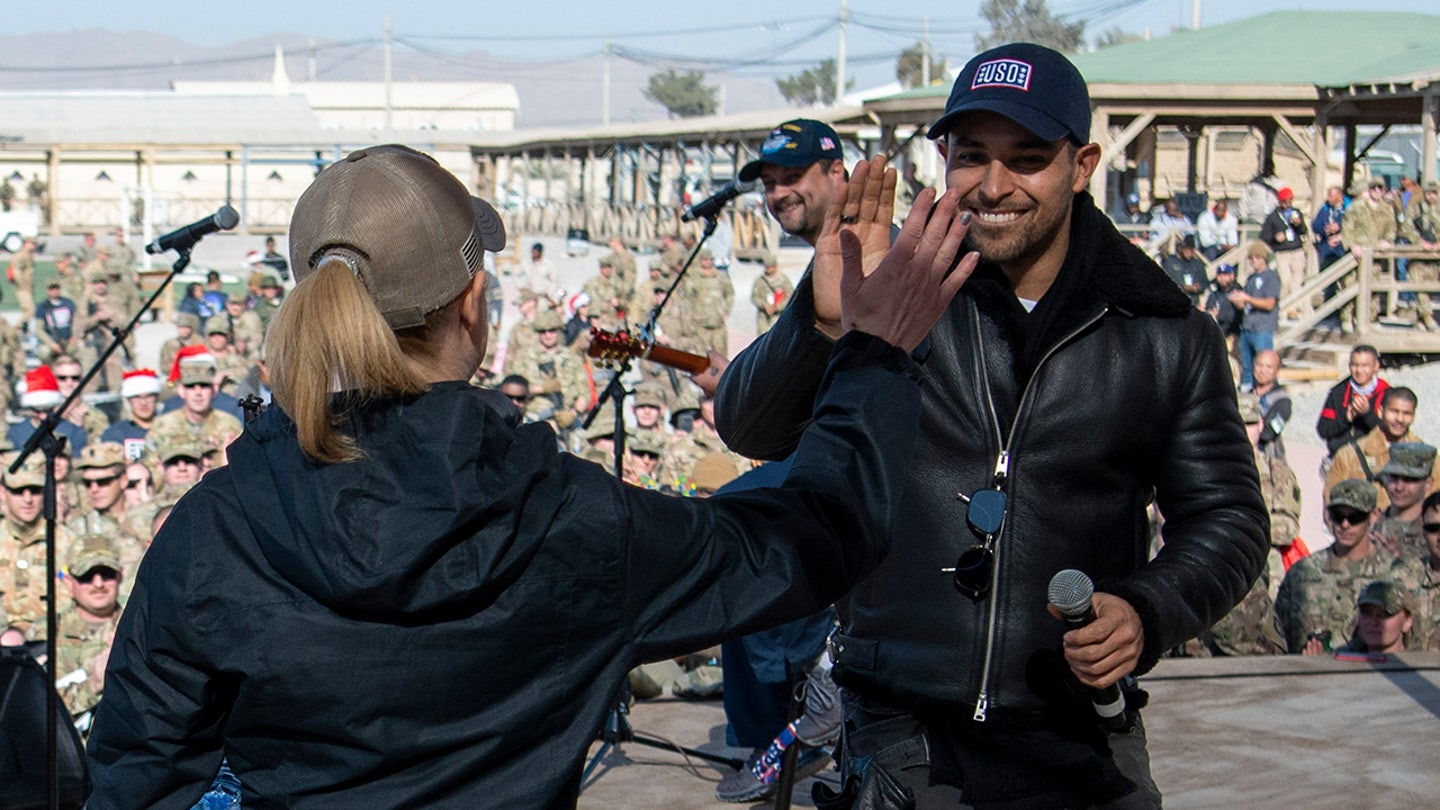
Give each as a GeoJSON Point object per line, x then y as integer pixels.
{"type": "Point", "coordinates": [185, 238]}
{"type": "Point", "coordinates": [712, 205]}
{"type": "Point", "coordinates": [1072, 593]}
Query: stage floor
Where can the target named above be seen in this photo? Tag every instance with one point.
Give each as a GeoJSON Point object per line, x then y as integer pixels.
{"type": "Point", "coordinates": [1235, 733]}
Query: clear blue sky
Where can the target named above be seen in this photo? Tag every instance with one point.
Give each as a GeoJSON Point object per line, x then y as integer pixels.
{"type": "Point", "coordinates": [755, 33]}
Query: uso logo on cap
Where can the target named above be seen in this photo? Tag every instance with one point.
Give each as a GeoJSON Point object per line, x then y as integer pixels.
{"type": "Point", "coordinates": [1002, 73]}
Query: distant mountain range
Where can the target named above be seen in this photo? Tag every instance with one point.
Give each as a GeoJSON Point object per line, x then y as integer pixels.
{"type": "Point", "coordinates": [552, 92]}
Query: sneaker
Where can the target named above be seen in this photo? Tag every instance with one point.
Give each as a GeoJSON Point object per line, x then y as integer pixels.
{"type": "Point", "coordinates": [743, 786]}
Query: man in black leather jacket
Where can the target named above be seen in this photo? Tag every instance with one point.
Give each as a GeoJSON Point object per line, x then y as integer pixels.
{"type": "Point", "coordinates": [1071, 376]}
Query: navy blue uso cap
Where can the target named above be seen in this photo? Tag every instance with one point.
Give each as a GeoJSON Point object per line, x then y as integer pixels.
{"type": "Point", "coordinates": [795, 143]}
{"type": "Point", "coordinates": [1031, 85]}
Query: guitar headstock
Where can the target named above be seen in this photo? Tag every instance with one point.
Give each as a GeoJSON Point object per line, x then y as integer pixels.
{"type": "Point", "coordinates": [613, 347]}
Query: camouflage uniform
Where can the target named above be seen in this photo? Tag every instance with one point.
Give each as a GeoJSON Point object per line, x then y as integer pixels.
{"type": "Point", "coordinates": [602, 291]}
{"type": "Point", "coordinates": [709, 300]}
{"type": "Point", "coordinates": [79, 641]}
{"type": "Point", "coordinates": [90, 420]}
{"type": "Point", "coordinates": [212, 433]}
{"type": "Point", "coordinates": [557, 376]}
{"type": "Point", "coordinates": [95, 312]}
{"type": "Point", "coordinates": [22, 552]}
{"type": "Point", "coordinates": [171, 348]}
{"type": "Point", "coordinates": [247, 334]}
{"type": "Point", "coordinates": [1281, 491]}
{"type": "Point", "coordinates": [684, 453]}
{"type": "Point", "coordinates": [1422, 224]}
{"type": "Point", "coordinates": [766, 290]}
{"type": "Point", "coordinates": [1367, 223]}
{"type": "Point", "coordinates": [22, 275]}
{"type": "Point", "coordinates": [1427, 617]}
{"type": "Point", "coordinates": [12, 362]}
{"type": "Point", "coordinates": [623, 261]}
{"type": "Point", "coordinates": [1403, 538]}
{"type": "Point", "coordinates": [1346, 463]}
{"type": "Point", "coordinates": [128, 546]}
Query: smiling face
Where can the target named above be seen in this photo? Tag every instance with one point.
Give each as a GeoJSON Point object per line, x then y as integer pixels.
{"type": "Point", "coordinates": [1020, 188]}
{"type": "Point", "coordinates": [798, 197]}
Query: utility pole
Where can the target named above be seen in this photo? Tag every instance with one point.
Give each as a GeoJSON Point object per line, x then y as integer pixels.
{"type": "Point", "coordinates": [1194, 15]}
{"type": "Point", "coordinates": [840, 54]}
{"type": "Point", "coordinates": [925, 53]}
{"type": "Point", "coordinates": [605, 86]}
{"type": "Point", "coordinates": [389, 37]}
{"type": "Point", "coordinates": [310, 60]}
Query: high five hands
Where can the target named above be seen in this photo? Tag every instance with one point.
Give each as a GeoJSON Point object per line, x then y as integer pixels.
{"type": "Point", "coordinates": [895, 292]}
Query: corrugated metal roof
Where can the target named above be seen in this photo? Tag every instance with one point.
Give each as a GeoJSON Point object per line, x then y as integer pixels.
{"type": "Point", "coordinates": [160, 118]}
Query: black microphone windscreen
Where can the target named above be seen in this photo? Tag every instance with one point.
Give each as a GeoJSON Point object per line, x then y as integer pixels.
{"type": "Point", "coordinates": [1071, 591]}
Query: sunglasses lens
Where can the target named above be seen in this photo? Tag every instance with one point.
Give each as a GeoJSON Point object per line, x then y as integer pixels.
{"type": "Point", "coordinates": [972, 572]}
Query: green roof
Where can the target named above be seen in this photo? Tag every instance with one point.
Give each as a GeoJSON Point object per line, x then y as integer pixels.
{"type": "Point", "coordinates": [1321, 48]}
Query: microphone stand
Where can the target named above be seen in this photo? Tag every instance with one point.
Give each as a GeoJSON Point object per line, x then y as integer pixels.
{"type": "Point", "coordinates": [44, 439]}
{"type": "Point", "coordinates": [617, 728]}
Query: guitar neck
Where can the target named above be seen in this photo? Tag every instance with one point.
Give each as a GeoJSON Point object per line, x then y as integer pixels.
{"type": "Point", "coordinates": [674, 358]}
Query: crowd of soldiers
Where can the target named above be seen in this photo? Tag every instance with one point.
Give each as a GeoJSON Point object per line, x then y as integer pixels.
{"type": "Point", "coordinates": [117, 481]}
{"type": "Point", "coordinates": [547, 369]}
{"type": "Point", "coordinates": [117, 473]}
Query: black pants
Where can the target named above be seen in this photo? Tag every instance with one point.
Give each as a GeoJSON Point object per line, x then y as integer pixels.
{"type": "Point", "coordinates": [897, 742]}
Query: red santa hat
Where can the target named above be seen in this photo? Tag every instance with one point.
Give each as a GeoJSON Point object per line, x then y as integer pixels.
{"type": "Point", "coordinates": [139, 382]}
{"type": "Point", "coordinates": [42, 391]}
{"type": "Point", "coordinates": [199, 352]}
{"type": "Point", "coordinates": [575, 302]}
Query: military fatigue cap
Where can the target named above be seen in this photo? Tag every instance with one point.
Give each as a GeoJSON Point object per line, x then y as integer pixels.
{"type": "Point", "coordinates": [1388, 595]}
{"type": "Point", "coordinates": [1409, 460]}
{"type": "Point", "coordinates": [650, 395]}
{"type": "Point", "coordinates": [645, 442]}
{"type": "Point", "coordinates": [1249, 409]}
{"type": "Point", "coordinates": [771, 260]}
{"type": "Point", "coordinates": [706, 254]}
{"type": "Point", "coordinates": [217, 325]}
{"type": "Point", "coordinates": [189, 319]}
{"type": "Point", "coordinates": [659, 285]}
{"type": "Point", "coordinates": [30, 474]}
{"type": "Point", "coordinates": [180, 448]}
{"type": "Point", "coordinates": [98, 274]}
{"type": "Point", "coordinates": [270, 280]}
{"type": "Point", "coordinates": [1257, 250]}
{"type": "Point", "coordinates": [101, 455]}
{"type": "Point", "coordinates": [1432, 188]}
{"type": "Point", "coordinates": [546, 321]}
{"type": "Point", "coordinates": [195, 370]}
{"type": "Point", "coordinates": [599, 429]}
{"type": "Point", "coordinates": [92, 551]}
{"type": "Point", "coordinates": [713, 471]}
{"type": "Point", "coordinates": [1354, 493]}
{"type": "Point", "coordinates": [527, 296]}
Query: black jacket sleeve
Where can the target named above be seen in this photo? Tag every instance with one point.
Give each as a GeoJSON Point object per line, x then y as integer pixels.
{"type": "Point", "coordinates": [767, 393]}
{"type": "Point", "coordinates": [1217, 530]}
{"type": "Point", "coordinates": [762, 557]}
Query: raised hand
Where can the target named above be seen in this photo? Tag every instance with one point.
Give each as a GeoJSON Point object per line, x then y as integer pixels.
{"type": "Point", "coordinates": [865, 207]}
{"type": "Point", "coordinates": [901, 296]}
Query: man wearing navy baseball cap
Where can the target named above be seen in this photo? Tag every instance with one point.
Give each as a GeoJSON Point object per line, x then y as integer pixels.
{"type": "Point", "coordinates": [1072, 384]}
{"type": "Point", "coordinates": [800, 166]}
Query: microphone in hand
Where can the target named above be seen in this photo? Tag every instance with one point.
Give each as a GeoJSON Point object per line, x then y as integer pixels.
{"type": "Point", "coordinates": [1072, 593]}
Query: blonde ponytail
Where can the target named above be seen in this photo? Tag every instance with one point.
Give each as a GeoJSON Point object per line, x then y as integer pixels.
{"type": "Point", "coordinates": [329, 337]}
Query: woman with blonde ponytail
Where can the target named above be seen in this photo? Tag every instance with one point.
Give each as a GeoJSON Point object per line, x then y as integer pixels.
{"type": "Point", "coordinates": [395, 595]}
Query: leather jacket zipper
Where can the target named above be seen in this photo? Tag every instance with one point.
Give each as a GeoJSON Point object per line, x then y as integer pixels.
{"type": "Point", "coordinates": [1002, 473]}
